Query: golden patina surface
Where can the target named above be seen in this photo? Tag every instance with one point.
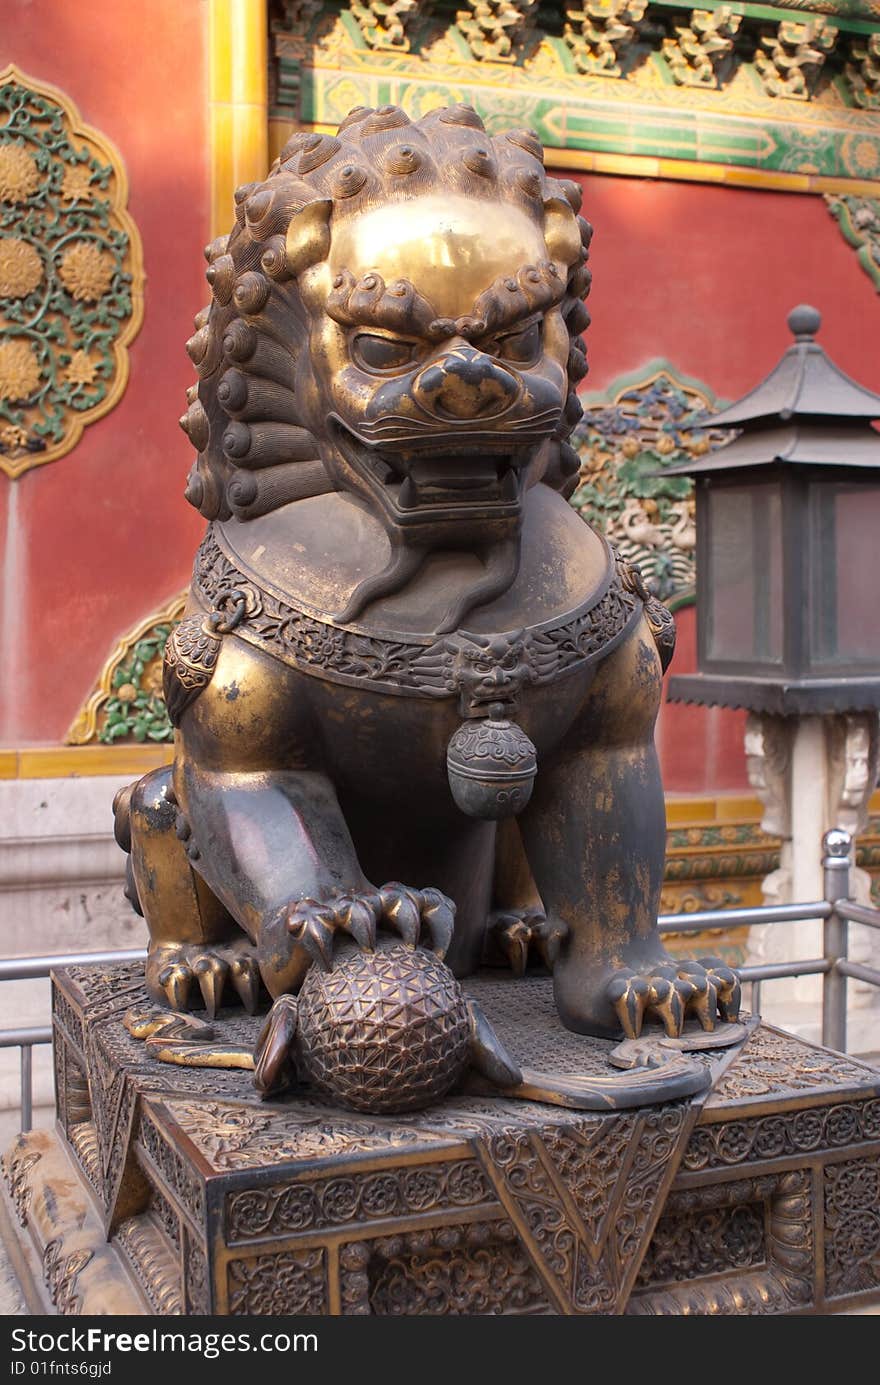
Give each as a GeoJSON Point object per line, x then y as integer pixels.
{"type": "Point", "coordinates": [413, 693]}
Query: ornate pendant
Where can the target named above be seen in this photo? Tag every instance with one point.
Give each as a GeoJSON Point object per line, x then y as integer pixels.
{"type": "Point", "coordinates": [491, 766]}
{"type": "Point", "coordinates": [191, 655]}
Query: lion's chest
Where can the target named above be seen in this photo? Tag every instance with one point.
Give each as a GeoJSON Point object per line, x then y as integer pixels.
{"type": "Point", "coordinates": [394, 747]}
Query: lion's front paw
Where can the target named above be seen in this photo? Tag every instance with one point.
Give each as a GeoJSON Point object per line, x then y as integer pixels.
{"type": "Point", "coordinates": [173, 969]}
{"type": "Point", "coordinates": [673, 991]}
{"type": "Point", "coordinates": [313, 924]}
{"type": "Point", "coordinates": [305, 932]}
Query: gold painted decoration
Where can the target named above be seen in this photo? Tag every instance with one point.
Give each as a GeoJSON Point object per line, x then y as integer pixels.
{"type": "Point", "coordinates": [641, 425]}
{"type": "Point", "coordinates": [128, 703]}
{"type": "Point", "coordinates": [738, 94]}
{"type": "Point", "coordinates": [71, 274]}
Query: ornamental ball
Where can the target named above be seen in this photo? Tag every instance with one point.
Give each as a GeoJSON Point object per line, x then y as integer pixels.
{"type": "Point", "coordinates": [804, 321]}
{"type": "Point", "coordinates": [491, 765]}
{"type": "Point", "coordinates": [384, 1031]}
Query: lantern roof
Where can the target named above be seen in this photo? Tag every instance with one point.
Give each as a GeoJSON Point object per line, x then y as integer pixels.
{"type": "Point", "coordinates": [805, 383]}
{"type": "Point", "coordinates": [802, 413]}
{"type": "Point", "coordinates": [819, 444]}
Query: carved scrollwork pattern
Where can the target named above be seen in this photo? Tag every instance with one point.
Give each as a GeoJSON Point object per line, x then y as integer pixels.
{"type": "Point", "coordinates": [852, 1222]}
{"type": "Point", "coordinates": [773, 1063]}
{"type": "Point", "coordinates": [197, 1291]}
{"type": "Point", "coordinates": [482, 1204]}
{"type": "Point", "coordinates": [292, 1282]}
{"type": "Point", "coordinates": [707, 1242]}
{"type": "Point", "coordinates": [306, 1206]}
{"type": "Point", "coordinates": [588, 1213]}
{"type": "Point", "coordinates": [180, 1180]}
{"type": "Point", "coordinates": [773, 1137]}
{"type": "Point", "coordinates": [237, 1137]}
{"type": "Point", "coordinates": [60, 1273]}
{"type": "Point", "coordinates": [17, 1164]}
{"type": "Point", "coordinates": [473, 1268]}
{"type": "Point", "coordinates": [734, 1249]}
{"type": "Point", "coordinates": [301, 639]}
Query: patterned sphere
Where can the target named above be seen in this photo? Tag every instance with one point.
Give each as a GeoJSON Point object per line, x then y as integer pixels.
{"type": "Point", "coordinates": [491, 766]}
{"type": "Point", "coordinates": [383, 1031]}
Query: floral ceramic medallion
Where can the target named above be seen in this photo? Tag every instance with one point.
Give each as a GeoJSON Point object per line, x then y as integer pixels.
{"type": "Point", "coordinates": [71, 274]}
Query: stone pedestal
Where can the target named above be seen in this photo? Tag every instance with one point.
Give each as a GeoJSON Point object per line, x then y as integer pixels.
{"type": "Point", "coordinates": [176, 1190]}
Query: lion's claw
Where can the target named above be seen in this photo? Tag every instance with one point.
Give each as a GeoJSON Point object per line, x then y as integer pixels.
{"type": "Point", "coordinates": [273, 1056]}
{"type": "Point", "coordinates": [402, 909]}
{"type": "Point", "coordinates": [438, 916]}
{"type": "Point", "coordinates": [314, 923]}
{"type": "Point", "coordinates": [671, 992]}
{"type": "Point", "coordinates": [516, 933]}
{"type": "Point", "coordinates": [728, 986]}
{"type": "Point", "coordinates": [175, 969]}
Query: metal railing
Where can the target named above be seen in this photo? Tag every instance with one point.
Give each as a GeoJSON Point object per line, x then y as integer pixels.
{"type": "Point", "coordinates": [836, 911]}
{"type": "Point", "coordinates": [26, 1040]}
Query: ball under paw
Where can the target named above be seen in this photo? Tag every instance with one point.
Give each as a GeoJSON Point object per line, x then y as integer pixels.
{"type": "Point", "coordinates": [383, 1031]}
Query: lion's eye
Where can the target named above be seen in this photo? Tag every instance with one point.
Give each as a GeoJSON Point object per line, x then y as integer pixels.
{"type": "Point", "coordinates": [522, 347]}
{"type": "Point", "coordinates": [382, 353]}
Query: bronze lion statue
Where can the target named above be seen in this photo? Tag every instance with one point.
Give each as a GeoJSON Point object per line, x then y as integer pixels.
{"type": "Point", "coordinates": [413, 690]}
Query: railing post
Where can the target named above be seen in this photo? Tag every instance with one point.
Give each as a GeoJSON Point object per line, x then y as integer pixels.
{"type": "Point", "coordinates": [755, 998]}
{"type": "Point", "coordinates": [837, 845]}
{"type": "Point", "coordinates": [27, 1089]}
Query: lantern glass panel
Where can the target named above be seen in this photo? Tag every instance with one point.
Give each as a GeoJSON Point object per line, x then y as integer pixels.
{"type": "Point", "coordinates": [844, 598]}
{"type": "Point", "coordinates": [745, 574]}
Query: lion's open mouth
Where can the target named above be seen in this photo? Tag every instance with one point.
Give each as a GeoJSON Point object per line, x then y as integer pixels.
{"type": "Point", "coordinates": [477, 472]}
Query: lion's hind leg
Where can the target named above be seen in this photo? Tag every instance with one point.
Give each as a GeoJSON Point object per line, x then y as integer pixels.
{"type": "Point", "coordinates": [196, 949]}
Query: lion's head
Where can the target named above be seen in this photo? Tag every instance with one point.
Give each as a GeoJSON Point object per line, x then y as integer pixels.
{"type": "Point", "coordinates": [396, 314]}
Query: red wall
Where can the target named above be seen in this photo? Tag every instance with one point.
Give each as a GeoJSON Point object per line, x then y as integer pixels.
{"type": "Point", "coordinates": [93, 542]}
{"type": "Point", "coordinates": [701, 275]}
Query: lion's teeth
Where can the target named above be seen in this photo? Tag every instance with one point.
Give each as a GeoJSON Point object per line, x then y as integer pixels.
{"type": "Point", "coordinates": [509, 486]}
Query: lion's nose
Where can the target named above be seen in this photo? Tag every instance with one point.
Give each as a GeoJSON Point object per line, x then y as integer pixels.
{"type": "Point", "coordinates": [465, 383]}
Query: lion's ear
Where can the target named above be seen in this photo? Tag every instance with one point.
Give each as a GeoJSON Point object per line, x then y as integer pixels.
{"type": "Point", "coordinates": [308, 235]}
{"type": "Point", "coordinates": [561, 234]}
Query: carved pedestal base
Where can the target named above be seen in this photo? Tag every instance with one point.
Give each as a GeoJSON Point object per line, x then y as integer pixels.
{"type": "Point", "coordinates": [184, 1192]}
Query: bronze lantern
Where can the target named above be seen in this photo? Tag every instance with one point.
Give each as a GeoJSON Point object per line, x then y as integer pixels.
{"type": "Point", "coordinates": [788, 530]}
